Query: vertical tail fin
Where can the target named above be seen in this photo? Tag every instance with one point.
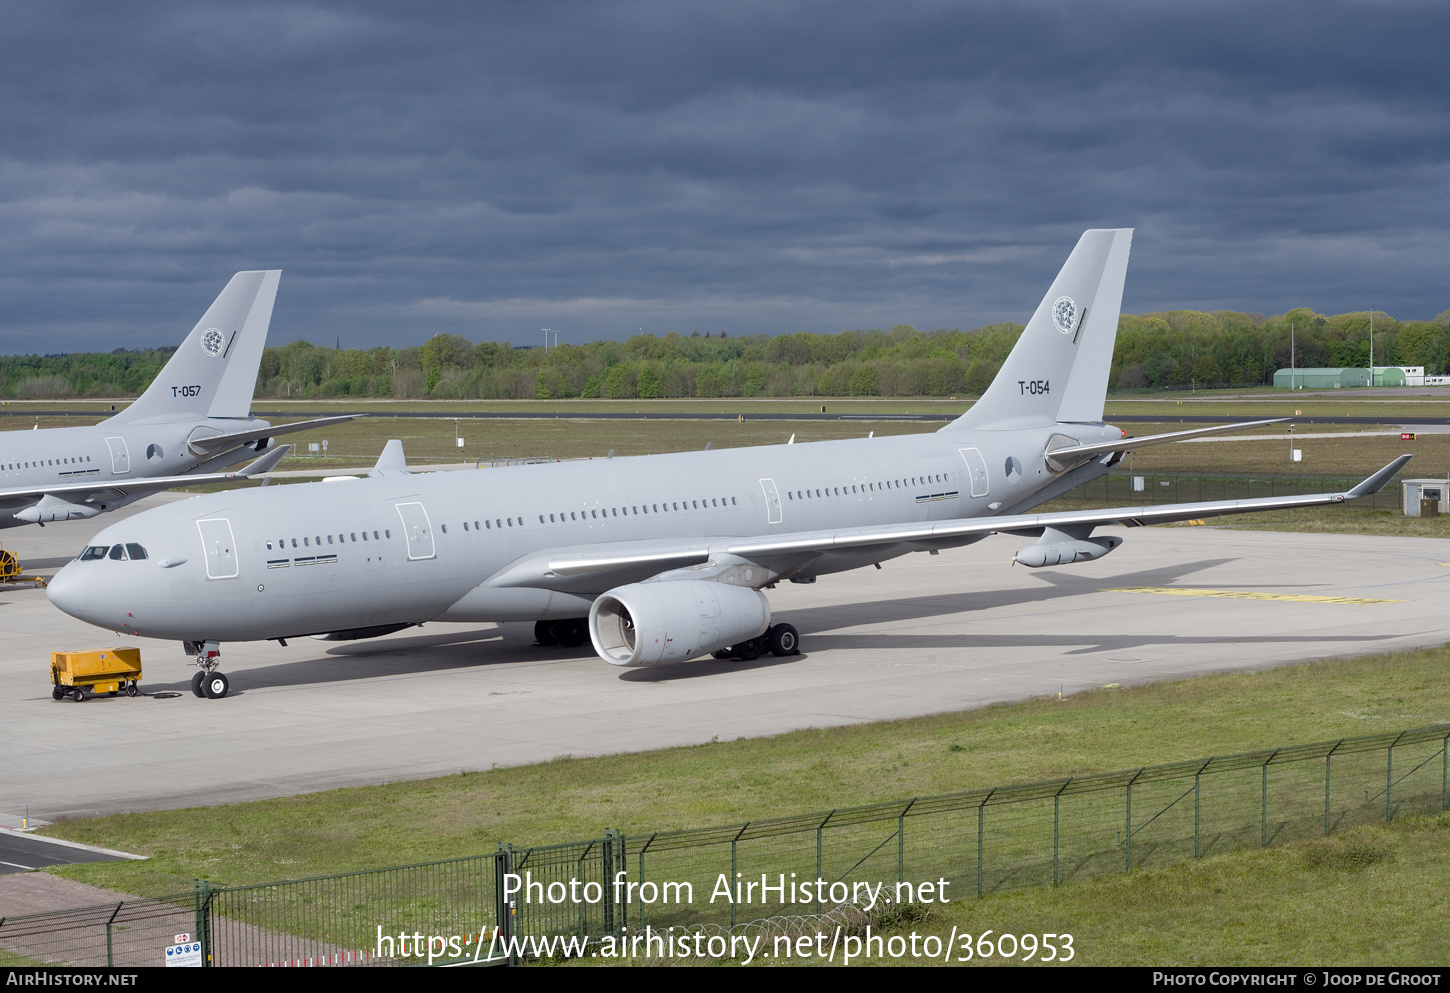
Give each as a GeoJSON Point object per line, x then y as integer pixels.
{"type": "Point", "coordinates": [1058, 370]}
{"type": "Point", "coordinates": [214, 372]}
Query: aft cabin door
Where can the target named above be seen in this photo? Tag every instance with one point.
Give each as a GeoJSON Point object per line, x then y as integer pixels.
{"type": "Point", "coordinates": [976, 470]}
{"type": "Point", "coordinates": [120, 457]}
{"type": "Point", "coordinates": [219, 548]}
{"type": "Point", "coordinates": [417, 531]}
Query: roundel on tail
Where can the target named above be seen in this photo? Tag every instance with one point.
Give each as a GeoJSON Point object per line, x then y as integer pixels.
{"type": "Point", "coordinates": [212, 340]}
{"type": "Point", "coordinates": [1064, 314]}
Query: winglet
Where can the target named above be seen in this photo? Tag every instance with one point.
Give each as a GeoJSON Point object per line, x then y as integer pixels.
{"type": "Point", "coordinates": [1377, 482]}
{"type": "Point", "coordinates": [267, 462]}
{"type": "Point", "coordinates": [391, 462]}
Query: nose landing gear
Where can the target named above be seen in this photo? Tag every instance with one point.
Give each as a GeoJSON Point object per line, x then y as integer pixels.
{"type": "Point", "coordinates": [206, 656]}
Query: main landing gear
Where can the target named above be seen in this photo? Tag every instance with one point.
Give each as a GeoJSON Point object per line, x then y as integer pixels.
{"type": "Point", "coordinates": [206, 656]}
{"type": "Point", "coordinates": [779, 640]}
{"type": "Point", "coordinates": [570, 632]}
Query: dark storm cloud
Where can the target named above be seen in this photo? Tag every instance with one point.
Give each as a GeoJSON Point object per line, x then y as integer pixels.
{"type": "Point", "coordinates": [491, 169]}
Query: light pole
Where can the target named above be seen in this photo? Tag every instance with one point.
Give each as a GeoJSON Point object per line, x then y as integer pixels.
{"type": "Point", "coordinates": [1371, 346]}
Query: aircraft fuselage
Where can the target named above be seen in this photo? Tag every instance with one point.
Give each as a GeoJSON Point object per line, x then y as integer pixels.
{"type": "Point", "coordinates": [250, 565]}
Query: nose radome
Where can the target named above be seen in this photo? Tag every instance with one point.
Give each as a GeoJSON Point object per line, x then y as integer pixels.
{"type": "Point", "coordinates": [69, 590]}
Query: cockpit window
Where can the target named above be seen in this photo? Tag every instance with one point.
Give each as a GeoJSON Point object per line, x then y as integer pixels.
{"type": "Point", "coordinates": [137, 552]}
{"type": "Point", "coordinates": [118, 552]}
{"type": "Point", "coordinates": [94, 552]}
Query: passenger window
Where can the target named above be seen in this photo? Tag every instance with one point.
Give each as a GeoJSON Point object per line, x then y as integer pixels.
{"type": "Point", "coordinates": [307, 541]}
{"type": "Point", "coordinates": [445, 528]}
{"type": "Point", "coordinates": [329, 540]}
{"type": "Point", "coordinates": [294, 542]}
{"type": "Point", "coordinates": [136, 551]}
{"type": "Point", "coordinates": [386, 534]}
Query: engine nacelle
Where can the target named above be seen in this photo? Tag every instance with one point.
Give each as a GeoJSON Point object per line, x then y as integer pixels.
{"type": "Point", "coordinates": [1065, 551]}
{"type": "Point", "coordinates": [646, 623]}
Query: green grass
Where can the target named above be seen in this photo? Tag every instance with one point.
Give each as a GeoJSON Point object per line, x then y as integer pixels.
{"type": "Point", "coordinates": [1374, 896]}
{"type": "Point", "coordinates": [725, 782]}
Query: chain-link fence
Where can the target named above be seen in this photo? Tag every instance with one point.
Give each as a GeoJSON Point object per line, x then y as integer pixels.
{"type": "Point", "coordinates": [948, 847]}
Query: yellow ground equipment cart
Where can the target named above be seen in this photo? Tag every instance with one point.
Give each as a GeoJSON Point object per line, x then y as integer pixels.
{"type": "Point", "coordinates": [103, 670]}
{"type": "Point", "coordinates": [11, 571]}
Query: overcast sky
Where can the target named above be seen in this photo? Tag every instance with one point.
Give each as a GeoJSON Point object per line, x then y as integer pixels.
{"type": "Point", "coordinates": [490, 169]}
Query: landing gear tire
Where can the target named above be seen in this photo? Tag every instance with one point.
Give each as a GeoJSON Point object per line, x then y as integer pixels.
{"type": "Point", "coordinates": [784, 640]}
{"type": "Point", "coordinates": [196, 682]}
{"type": "Point", "coordinates": [722, 654]}
{"type": "Point", "coordinates": [57, 693]}
{"type": "Point", "coordinates": [544, 633]}
{"type": "Point", "coordinates": [216, 686]}
{"type": "Point", "coordinates": [748, 651]}
{"type": "Point", "coordinates": [572, 633]}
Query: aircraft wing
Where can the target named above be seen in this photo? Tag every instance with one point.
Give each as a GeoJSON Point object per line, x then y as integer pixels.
{"type": "Point", "coordinates": [95, 491]}
{"type": "Point", "coordinates": [569, 570]}
{"type": "Point", "coordinates": [211, 442]}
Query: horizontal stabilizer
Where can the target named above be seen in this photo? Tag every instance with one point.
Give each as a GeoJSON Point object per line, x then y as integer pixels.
{"type": "Point", "coordinates": [1133, 444]}
{"type": "Point", "coordinates": [205, 444]}
{"type": "Point", "coordinates": [267, 462]}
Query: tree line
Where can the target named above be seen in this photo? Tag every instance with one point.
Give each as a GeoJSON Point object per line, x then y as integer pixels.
{"type": "Point", "coordinates": [1159, 351]}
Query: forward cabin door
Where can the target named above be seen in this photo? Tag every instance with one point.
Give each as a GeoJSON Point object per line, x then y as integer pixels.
{"type": "Point", "coordinates": [772, 501]}
{"type": "Point", "coordinates": [219, 547]}
{"type": "Point", "coordinates": [417, 531]}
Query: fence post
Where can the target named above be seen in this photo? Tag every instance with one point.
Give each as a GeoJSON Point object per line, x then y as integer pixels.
{"type": "Point", "coordinates": [1128, 832]}
{"type": "Point", "coordinates": [1444, 770]}
{"type": "Point", "coordinates": [734, 878]}
{"type": "Point", "coordinates": [1327, 756]}
{"type": "Point", "coordinates": [1264, 801]}
{"type": "Point", "coordinates": [1389, 773]}
{"type": "Point", "coordinates": [201, 897]}
{"type": "Point", "coordinates": [606, 861]}
{"type": "Point", "coordinates": [1056, 797]}
{"type": "Point", "coordinates": [820, 828]}
{"type": "Point", "coordinates": [651, 841]}
{"type": "Point", "coordinates": [503, 865]}
{"type": "Point", "coordinates": [901, 842]}
{"type": "Point", "coordinates": [981, 811]}
{"type": "Point", "coordinates": [109, 963]}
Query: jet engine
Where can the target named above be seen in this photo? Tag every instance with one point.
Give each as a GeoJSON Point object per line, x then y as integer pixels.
{"type": "Point", "coordinates": [645, 623]}
{"type": "Point", "coordinates": [1065, 547]}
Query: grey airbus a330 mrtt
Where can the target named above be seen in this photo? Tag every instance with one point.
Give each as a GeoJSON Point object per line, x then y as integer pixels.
{"type": "Point", "coordinates": [658, 558]}
{"type": "Point", "coordinates": [194, 418]}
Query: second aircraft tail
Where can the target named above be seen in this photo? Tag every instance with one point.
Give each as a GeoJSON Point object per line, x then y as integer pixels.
{"type": "Point", "coordinates": [214, 372]}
